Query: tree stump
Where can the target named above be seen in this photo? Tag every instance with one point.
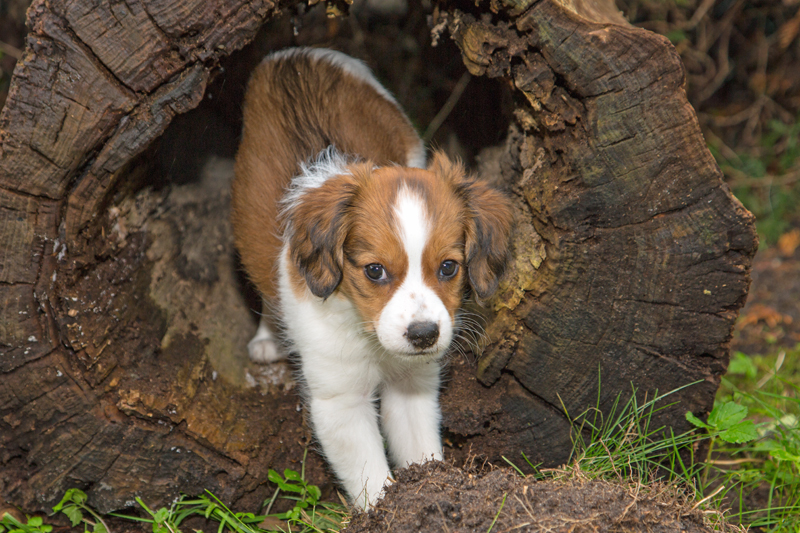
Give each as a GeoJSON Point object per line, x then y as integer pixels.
{"type": "Point", "coordinates": [123, 329]}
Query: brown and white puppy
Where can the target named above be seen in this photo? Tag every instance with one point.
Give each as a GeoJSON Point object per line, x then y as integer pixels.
{"type": "Point", "coordinates": [361, 253]}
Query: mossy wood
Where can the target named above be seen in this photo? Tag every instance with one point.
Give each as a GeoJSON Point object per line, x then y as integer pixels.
{"type": "Point", "coordinates": [123, 368]}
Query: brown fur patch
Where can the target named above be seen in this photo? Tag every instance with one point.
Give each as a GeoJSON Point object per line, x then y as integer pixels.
{"type": "Point", "coordinates": [294, 108]}
{"type": "Point", "coordinates": [488, 219]}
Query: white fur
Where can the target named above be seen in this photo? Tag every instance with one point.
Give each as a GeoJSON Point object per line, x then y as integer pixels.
{"type": "Point", "coordinates": [328, 163]}
{"type": "Point", "coordinates": [417, 157]}
{"type": "Point", "coordinates": [263, 347]}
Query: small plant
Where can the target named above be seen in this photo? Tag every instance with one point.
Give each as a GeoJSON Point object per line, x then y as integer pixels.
{"type": "Point", "coordinates": [725, 422]}
{"type": "Point", "coordinates": [208, 506]}
{"type": "Point", "coordinates": [308, 511]}
{"type": "Point", "coordinates": [73, 504]}
{"type": "Point", "coordinates": [35, 524]}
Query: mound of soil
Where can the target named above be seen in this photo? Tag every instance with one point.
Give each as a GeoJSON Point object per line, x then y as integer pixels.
{"type": "Point", "coordinates": [443, 498]}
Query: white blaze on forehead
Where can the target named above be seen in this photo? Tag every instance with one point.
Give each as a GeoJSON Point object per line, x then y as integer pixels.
{"type": "Point", "coordinates": [413, 227]}
{"type": "Point", "coordinates": [413, 301]}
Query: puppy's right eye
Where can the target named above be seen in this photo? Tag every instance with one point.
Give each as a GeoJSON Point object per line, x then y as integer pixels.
{"type": "Point", "coordinates": [375, 272]}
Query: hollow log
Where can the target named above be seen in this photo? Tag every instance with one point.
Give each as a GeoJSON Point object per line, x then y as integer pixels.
{"type": "Point", "coordinates": [123, 367]}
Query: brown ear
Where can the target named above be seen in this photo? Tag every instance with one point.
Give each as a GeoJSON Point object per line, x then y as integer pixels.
{"type": "Point", "coordinates": [488, 221]}
{"type": "Point", "coordinates": [318, 224]}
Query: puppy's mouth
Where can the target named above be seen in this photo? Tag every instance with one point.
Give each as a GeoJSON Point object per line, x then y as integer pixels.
{"type": "Point", "coordinates": [409, 352]}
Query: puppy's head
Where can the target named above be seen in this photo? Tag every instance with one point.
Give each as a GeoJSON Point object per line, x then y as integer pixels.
{"type": "Point", "coordinates": [401, 244]}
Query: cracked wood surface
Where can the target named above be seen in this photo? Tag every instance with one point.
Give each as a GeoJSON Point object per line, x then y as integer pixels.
{"type": "Point", "coordinates": [647, 253]}
{"type": "Point", "coordinates": [122, 329]}
{"type": "Point", "coordinates": [92, 396]}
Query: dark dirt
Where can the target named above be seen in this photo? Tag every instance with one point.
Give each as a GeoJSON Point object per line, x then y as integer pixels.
{"type": "Point", "coordinates": [442, 497]}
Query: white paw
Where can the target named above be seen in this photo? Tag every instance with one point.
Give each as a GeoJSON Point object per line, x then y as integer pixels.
{"type": "Point", "coordinates": [366, 500]}
{"type": "Point", "coordinates": [263, 349]}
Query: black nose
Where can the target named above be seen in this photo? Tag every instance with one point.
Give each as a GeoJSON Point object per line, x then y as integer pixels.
{"type": "Point", "coordinates": [422, 335]}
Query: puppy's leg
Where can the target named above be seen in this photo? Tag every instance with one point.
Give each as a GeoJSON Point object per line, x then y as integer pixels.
{"type": "Point", "coordinates": [347, 427]}
{"type": "Point", "coordinates": [410, 415]}
{"type": "Point", "coordinates": [263, 347]}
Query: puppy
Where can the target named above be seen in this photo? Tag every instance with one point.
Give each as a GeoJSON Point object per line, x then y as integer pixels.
{"type": "Point", "coordinates": [362, 256]}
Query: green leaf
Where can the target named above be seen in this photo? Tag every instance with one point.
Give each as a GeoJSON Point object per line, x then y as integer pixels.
{"type": "Point", "coordinates": [67, 498]}
{"type": "Point", "coordinates": [275, 477]}
{"type": "Point", "coordinates": [47, 528]}
{"type": "Point", "coordinates": [35, 521]}
{"type": "Point", "coordinates": [289, 487]}
{"type": "Point", "coordinates": [73, 513]}
{"type": "Point", "coordinates": [292, 475]}
{"type": "Point", "coordinates": [726, 415]}
{"type": "Point", "coordinates": [99, 528]}
{"type": "Point", "coordinates": [696, 421]}
{"type": "Point", "coordinates": [161, 515]}
{"type": "Point", "coordinates": [315, 493]}
{"type": "Point", "coordinates": [744, 431]}
{"type": "Point", "coordinates": [77, 496]}
{"type": "Point", "coordinates": [783, 455]}
{"type": "Point", "coordinates": [742, 364]}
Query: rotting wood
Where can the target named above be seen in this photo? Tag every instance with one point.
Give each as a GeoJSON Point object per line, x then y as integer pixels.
{"type": "Point", "coordinates": [647, 252]}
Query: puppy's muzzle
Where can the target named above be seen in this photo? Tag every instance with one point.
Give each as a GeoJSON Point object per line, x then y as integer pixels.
{"type": "Point", "coordinates": [422, 335]}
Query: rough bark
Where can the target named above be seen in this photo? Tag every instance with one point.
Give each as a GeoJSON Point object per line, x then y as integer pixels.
{"type": "Point", "coordinates": [632, 256]}
{"type": "Point", "coordinates": [123, 326]}
{"type": "Point", "coordinates": [111, 334]}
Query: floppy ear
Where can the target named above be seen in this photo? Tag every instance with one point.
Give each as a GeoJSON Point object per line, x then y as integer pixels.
{"type": "Point", "coordinates": [318, 224]}
{"type": "Point", "coordinates": [488, 219]}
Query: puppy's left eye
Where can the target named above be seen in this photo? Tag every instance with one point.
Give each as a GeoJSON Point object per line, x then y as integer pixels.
{"type": "Point", "coordinates": [448, 269]}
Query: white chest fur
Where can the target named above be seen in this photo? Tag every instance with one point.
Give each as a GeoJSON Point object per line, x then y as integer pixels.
{"type": "Point", "coordinates": [346, 371]}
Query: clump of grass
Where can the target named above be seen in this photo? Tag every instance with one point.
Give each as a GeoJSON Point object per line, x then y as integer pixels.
{"type": "Point", "coordinates": [624, 444]}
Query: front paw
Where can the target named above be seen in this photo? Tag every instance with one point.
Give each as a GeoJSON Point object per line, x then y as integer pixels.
{"type": "Point", "coordinates": [371, 493]}
{"type": "Point", "coordinates": [264, 350]}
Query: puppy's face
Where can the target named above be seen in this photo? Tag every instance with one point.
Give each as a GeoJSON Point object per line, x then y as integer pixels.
{"type": "Point", "coordinates": [401, 244]}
